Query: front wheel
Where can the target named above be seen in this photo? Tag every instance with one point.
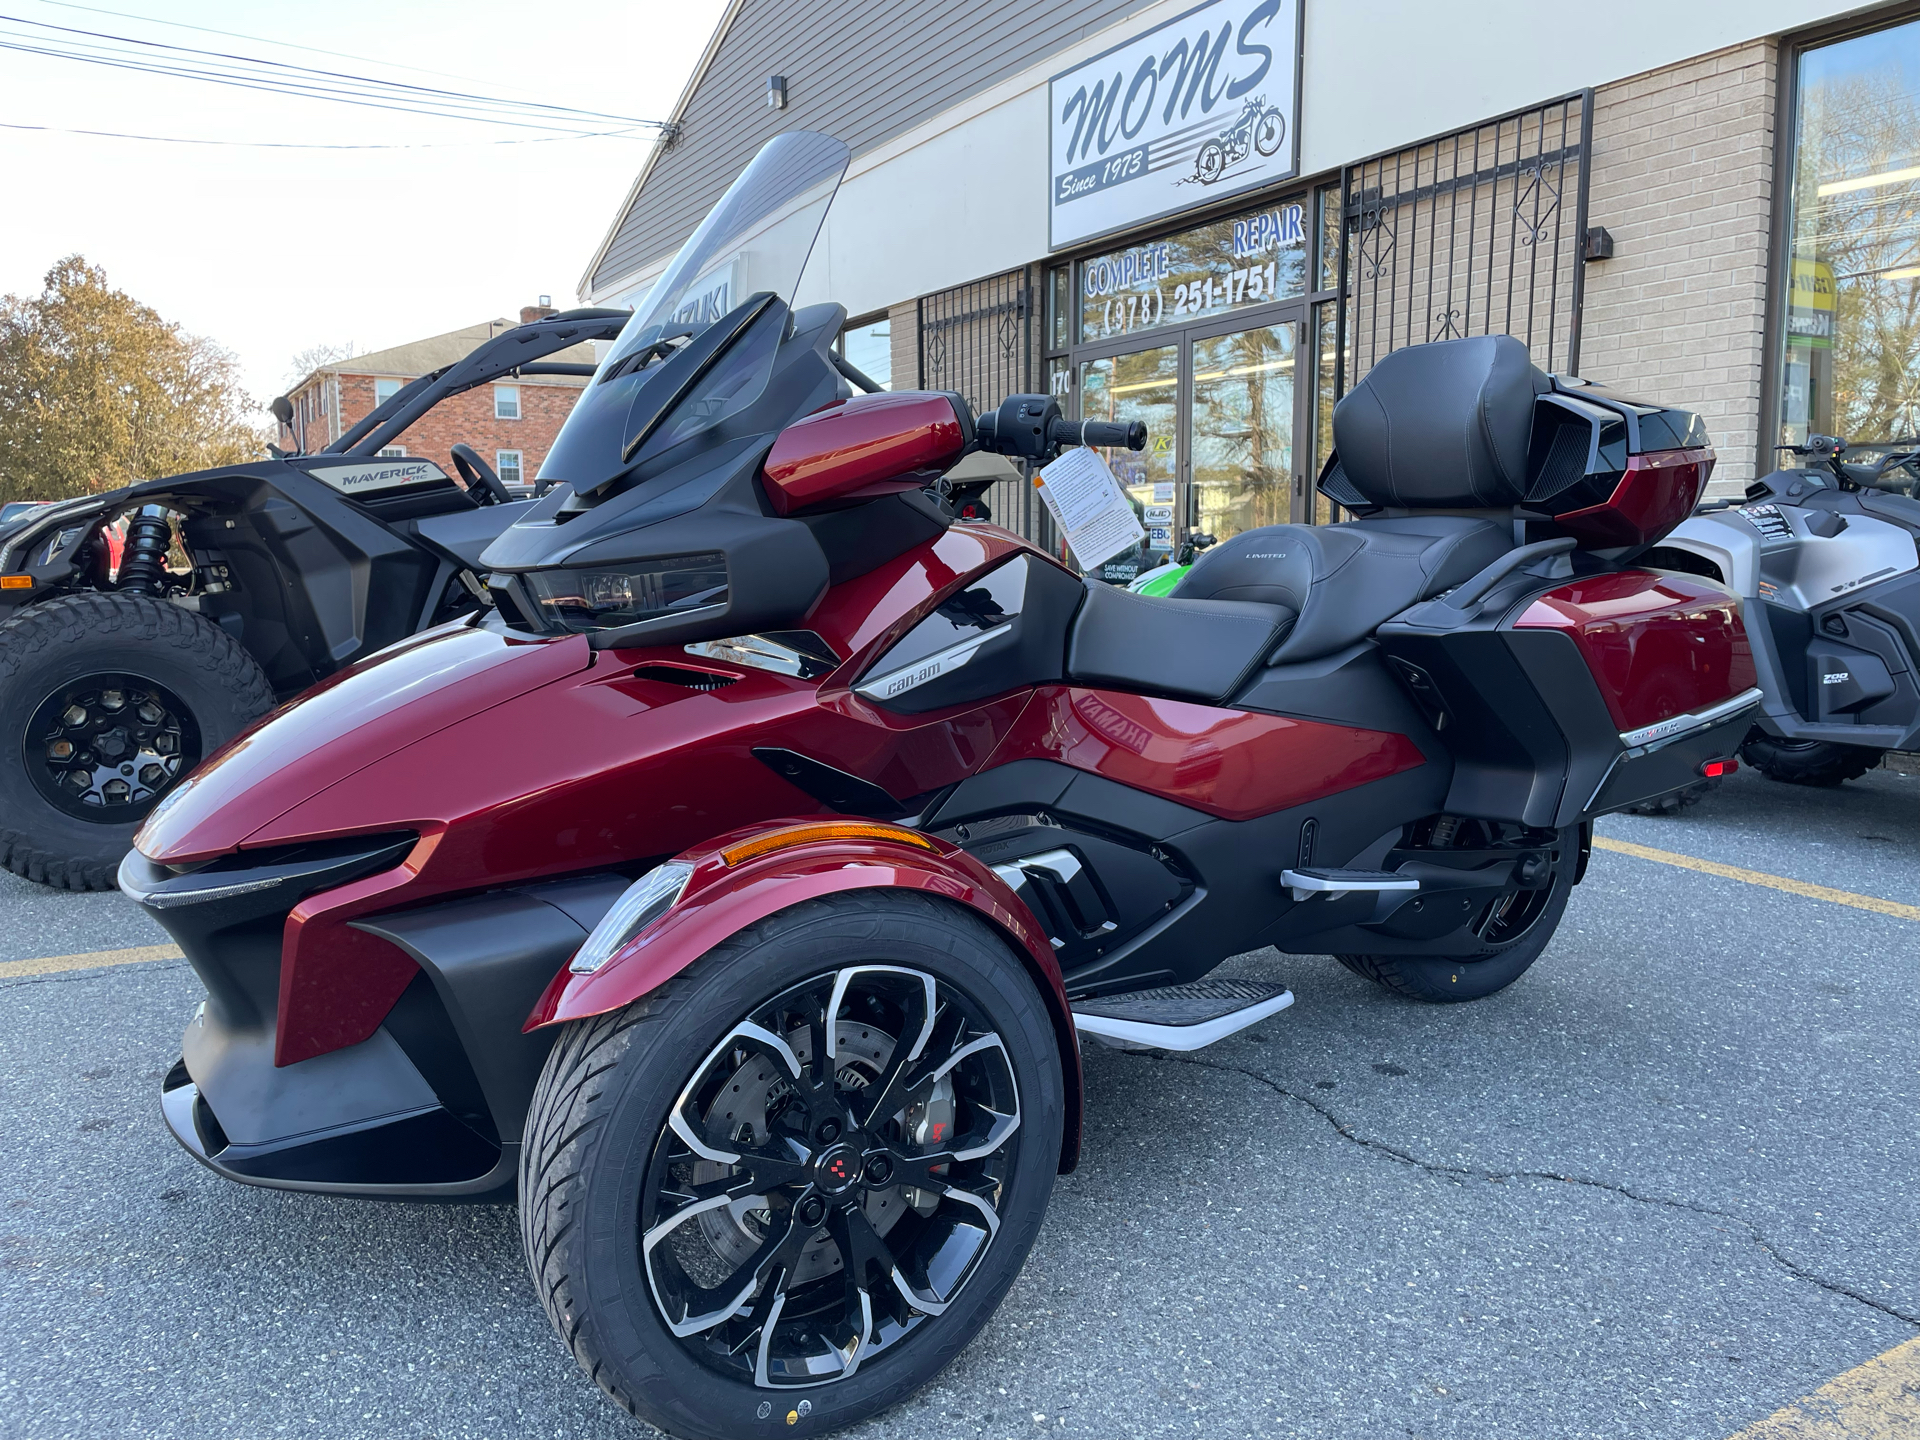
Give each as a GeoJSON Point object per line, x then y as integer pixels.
{"type": "Point", "coordinates": [1212, 161]}
{"type": "Point", "coordinates": [1807, 762]}
{"type": "Point", "coordinates": [1268, 134]}
{"type": "Point", "coordinates": [810, 1221]}
{"type": "Point", "coordinates": [106, 702]}
{"type": "Point", "coordinates": [1506, 935]}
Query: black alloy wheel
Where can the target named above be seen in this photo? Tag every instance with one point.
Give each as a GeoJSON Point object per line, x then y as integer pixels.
{"type": "Point", "coordinates": [811, 1218]}
{"type": "Point", "coordinates": [1501, 939]}
{"type": "Point", "coordinates": [824, 1186]}
{"type": "Point", "coordinates": [107, 701]}
{"type": "Point", "coordinates": [106, 747]}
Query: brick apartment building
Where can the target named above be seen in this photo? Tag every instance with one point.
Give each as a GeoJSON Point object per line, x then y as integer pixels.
{"type": "Point", "coordinates": [511, 424]}
{"type": "Point", "coordinates": [1216, 217]}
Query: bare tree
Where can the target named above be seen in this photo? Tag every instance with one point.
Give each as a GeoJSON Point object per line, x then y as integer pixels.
{"type": "Point", "coordinates": [1865, 243]}
{"type": "Point", "coordinates": [312, 358]}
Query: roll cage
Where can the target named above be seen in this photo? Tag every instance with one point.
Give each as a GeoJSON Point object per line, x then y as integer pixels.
{"type": "Point", "coordinates": [508, 355]}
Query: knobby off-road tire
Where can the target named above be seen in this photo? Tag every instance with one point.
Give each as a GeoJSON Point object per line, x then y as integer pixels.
{"type": "Point", "coordinates": [1501, 957]}
{"type": "Point", "coordinates": [598, 1149]}
{"type": "Point", "coordinates": [1808, 762]}
{"type": "Point", "coordinates": [54, 646]}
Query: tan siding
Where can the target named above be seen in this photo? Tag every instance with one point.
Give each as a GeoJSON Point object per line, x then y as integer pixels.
{"type": "Point", "coordinates": [1682, 177]}
{"type": "Point", "coordinates": [858, 71]}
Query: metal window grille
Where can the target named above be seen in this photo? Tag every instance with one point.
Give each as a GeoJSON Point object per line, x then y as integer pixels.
{"type": "Point", "coordinates": [1475, 233]}
{"type": "Point", "coordinates": [979, 339]}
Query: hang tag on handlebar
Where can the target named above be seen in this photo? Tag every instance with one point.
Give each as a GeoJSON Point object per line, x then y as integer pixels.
{"type": "Point", "coordinates": [1090, 507]}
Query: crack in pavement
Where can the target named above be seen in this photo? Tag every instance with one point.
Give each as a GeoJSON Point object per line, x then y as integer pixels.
{"type": "Point", "coordinates": [1772, 1251]}
{"type": "Point", "coordinates": [98, 972]}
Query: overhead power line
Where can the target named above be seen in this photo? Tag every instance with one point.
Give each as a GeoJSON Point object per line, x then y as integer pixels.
{"type": "Point", "coordinates": [316, 145]}
{"type": "Point", "coordinates": [258, 39]}
{"type": "Point", "coordinates": [250, 73]}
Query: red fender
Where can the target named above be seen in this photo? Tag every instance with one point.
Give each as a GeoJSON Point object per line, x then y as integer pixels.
{"type": "Point", "coordinates": [807, 862]}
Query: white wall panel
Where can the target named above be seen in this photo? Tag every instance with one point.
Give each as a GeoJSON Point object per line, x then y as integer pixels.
{"type": "Point", "coordinates": [965, 195]}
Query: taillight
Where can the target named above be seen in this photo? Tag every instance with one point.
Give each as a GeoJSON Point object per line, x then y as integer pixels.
{"type": "Point", "coordinates": [1655, 493]}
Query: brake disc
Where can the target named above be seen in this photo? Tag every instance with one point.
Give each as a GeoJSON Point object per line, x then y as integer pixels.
{"type": "Point", "coordinates": [742, 1109]}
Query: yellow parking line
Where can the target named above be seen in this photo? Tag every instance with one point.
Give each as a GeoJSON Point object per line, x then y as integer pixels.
{"type": "Point", "coordinates": [1759, 877]}
{"type": "Point", "coordinates": [1879, 1400]}
{"type": "Point", "coordinates": [93, 959]}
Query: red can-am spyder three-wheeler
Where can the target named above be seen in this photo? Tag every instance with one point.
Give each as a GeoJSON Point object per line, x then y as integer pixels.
{"type": "Point", "coordinates": [738, 886]}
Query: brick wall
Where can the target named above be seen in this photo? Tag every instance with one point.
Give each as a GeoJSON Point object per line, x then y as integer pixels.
{"type": "Point", "coordinates": [544, 405]}
{"type": "Point", "coordinates": [903, 333]}
{"type": "Point", "coordinates": [1682, 177]}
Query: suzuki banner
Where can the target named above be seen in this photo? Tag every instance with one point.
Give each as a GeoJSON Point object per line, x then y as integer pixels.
{"type": "Point", "coordinates": [1203, 106]}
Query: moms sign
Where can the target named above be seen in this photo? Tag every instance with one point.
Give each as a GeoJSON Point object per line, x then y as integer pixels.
{"type": "Point", "coordinates": [1201, 107]}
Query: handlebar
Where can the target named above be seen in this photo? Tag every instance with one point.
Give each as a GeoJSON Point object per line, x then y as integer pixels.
{"type": "Point", "coordinates": [1030, 427]}
{"type": "Point", "coordinates": [1127, 435]}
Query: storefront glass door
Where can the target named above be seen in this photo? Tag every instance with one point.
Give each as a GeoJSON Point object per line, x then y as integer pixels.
{"type": "Point", "coordinates": [1142, 385]}
{"type": "Point", "coordinates": [1240, 429]}
{"type": "Point", "coordinates": [1220, 407]}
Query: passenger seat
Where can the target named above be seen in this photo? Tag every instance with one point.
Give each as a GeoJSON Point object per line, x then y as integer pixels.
{"type": "Point", "coordinates": [1341, 582]}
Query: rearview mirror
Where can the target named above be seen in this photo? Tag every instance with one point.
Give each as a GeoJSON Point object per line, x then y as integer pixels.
{"type": "Point", "coordinates": [282, 409]}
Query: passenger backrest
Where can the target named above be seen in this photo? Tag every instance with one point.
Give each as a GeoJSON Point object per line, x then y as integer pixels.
{"type": "Point", "coordinates": [1440, 426]}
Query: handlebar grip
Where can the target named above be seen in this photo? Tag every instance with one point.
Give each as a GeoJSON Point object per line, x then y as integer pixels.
{"type": "Point", "coordinates": [1130, 435]}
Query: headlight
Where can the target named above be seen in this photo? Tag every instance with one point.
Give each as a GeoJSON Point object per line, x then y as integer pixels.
{"type": "Point", "coordinates": [605, 597]}
{"type": "Point", "coordinates": [643, 902]}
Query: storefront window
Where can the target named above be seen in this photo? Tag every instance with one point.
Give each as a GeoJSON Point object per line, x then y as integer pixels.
{"type": "Point", "coordinates": [1243, 429]}
{"type": "Point", "coordinates": [1059, 308]}
{"type": "Point", "coordinates": [868, 346]}
{"type": "Point", "coordinates": [1850, 362]}
{"type": "Point", "coordinates": [1142, 386]}
{"type": "Point", "coordinates": [1326, 325]}
{"type": "Point", "coordinates": [1327, 199]}
{"type": "Point", "coordinates": [1229, 265]}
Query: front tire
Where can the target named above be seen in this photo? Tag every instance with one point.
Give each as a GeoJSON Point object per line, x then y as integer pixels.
{"type": "Point", "coordinates": [1807, 762]}
{"type": "Point", "coordinates": [735, 1244]}
{"type": "Point", "coordinates": [107, 700]}
{"type": "Point", "coordinates": [1504, 939]}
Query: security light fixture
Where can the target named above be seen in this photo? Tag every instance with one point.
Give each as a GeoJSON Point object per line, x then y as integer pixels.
{"type": "Point", "coordinates": [1599, 244]}
{"type": "Point", "coordinates": [776, 92]}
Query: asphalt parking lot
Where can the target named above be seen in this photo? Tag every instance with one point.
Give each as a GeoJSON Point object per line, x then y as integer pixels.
{"type": "Point", "coordinates": [1660, 1188]}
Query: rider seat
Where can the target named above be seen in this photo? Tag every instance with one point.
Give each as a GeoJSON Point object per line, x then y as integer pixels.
{"type": "Point", "coordinates": [1431, 428]}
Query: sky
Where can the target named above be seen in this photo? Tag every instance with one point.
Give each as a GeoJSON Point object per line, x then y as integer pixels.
{"type": "Point", "coordinates": [270, 251]}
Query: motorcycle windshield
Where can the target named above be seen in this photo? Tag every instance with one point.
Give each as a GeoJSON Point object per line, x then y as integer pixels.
{"type": "Point", "coordinates": [754, 242]}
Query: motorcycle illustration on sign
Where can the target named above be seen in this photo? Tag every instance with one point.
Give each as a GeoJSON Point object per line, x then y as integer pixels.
{"type": "Point", "coordinates": [1260, 127]}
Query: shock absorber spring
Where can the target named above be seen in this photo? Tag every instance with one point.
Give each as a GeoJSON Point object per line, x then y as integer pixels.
{"type": "Point", "coordinates": [143, 562]}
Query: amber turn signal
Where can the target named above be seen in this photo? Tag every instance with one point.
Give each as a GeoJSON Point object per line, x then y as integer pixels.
{"type": "Point", "coordinates": [826, 830]}
{"type": "Point", "coordinates": [16, 582]}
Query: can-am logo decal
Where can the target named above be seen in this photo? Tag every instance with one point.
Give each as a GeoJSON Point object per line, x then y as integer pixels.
{"type": "Point", "coordinates": [1201, 106]}
{"type": "Point", "coordinates": [367, 476]}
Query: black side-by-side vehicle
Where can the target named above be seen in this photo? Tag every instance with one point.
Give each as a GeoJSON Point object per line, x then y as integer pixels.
{"type": "Point", "coordinates": [238, 586]}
